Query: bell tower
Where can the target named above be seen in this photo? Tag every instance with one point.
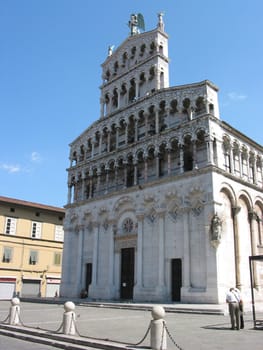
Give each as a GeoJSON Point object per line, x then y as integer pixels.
{"type": "Point", "coordinates": [135, 69]}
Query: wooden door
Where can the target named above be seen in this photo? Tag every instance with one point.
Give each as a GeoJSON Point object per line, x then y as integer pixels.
{"type": "Point", "coordinates": [176, 276]}
{"type": "Point", "coordinates": [127, 273]}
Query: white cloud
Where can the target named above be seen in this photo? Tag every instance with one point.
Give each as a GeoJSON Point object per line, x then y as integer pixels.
{"type": "Point", "coordinates": [10, 168]}
{"type": "Point", "coordinates": [35, 157]}
{"type": "Point", "coordinates": [234, 96]}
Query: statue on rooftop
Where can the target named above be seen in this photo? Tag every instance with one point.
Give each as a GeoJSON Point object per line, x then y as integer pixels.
{"type": "Point", "coordinates": [136, 23]}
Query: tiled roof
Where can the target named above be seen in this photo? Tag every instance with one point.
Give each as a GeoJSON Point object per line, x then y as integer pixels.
{"type": "Point", "coordinates": [24, 203]}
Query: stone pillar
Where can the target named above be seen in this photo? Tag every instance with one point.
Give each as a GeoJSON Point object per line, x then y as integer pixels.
{"type": "Point", "coordinates": [181, 158]}
{"type": "Point", "coordinates": [158, 331]}
{"type": "Point", "coordinates": [168, 161]}
{"type": "Point", "coordinates": [253, 231]}
{"type": "Point", "coordinates": [69, 319]}
{"type": "Point", "coordinates": [195, 166]}
{"type": "Point", "coordinates": [126, 133]}
{"type": "Point", "coordinates": [135, 165]}
{"type": "Point", "coordinates": [14, 312]}
{"type": "Point", "coordinates": [145, 168]}
{"type": "Point", "coordinates": [108, 141]}
{"type": "Point", "coordinates": [90, 185]}
{"type": "Point", "coordinates": [69, 192]}
{"type": "Point", "coordinates": [139, 284]}
{"type": "Point", "coordinates": [125, 174]}
{"type": "Point", "coordinates": [146, 124]}
{"type": "Point", "coordinates": [100, 143]}
{"type": "Point", "coordinates": [107, 180]}
{"type": "Point", "coordinates": [209, 147]}
{"type": "Point", "coordinates": [235, 211]}
{"type": "Point", "coordinates": [111, 258]}
{"type": "Point", "coordinates": [161, 254]}
{"type": "Point", "coordinates": [156, 122]}
{"type": "Point", "coordinates": [117, 137]}
{"type": "Point", "coordinates": [116, 177]}
{"type": "Point", "coordinates": [82, 185]}
{"type": "Point", "coordinates": [92, 148]}
{"type": "Point", "coordinates": [95, 257]}
{"type": "Point", "coordinates": [136, 130]}
{"type": "Point", "coordinates": [79, 263]}
{"type": "Point", "coordinates": [157, 166]}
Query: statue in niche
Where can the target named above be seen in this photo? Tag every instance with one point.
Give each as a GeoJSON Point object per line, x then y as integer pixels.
{"type": "Point", "coordinates": [216, 228]}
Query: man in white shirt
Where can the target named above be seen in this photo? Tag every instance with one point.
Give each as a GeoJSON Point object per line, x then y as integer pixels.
{"type": "Point", "coordinates": [232, 298]}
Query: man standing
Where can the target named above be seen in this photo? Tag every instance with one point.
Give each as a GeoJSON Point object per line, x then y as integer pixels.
{"type": "Point", "coordinates": [233, 300]}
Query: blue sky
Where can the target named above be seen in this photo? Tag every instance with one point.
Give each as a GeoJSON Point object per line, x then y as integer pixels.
{"type": "Point", "coordinates": [50, 73]}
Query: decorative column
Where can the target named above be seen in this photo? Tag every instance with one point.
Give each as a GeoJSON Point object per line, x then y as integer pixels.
{"type": "Point", "coordinates": [136, 130]}
{"type": "Point", "coordinates": [209, 148]}
{"type": "Point", "coordinates": [82, 185]}
{"type": "Point", "coordinates": [100, 142]}
{"type": "Point", "coordinates": [235, 211]}
{"type": "Point", "coordinates": [161, 253]}
{"type": "Point", "coordinates": [116, 176]}
{"type": "Point", "coordinates": [181, 150]}
{"type": "Point", "coordinates": [157, 167]}
{"type": "Point", "coordinates": [90, 184]}
{"type": "Point", "coordinates": [117, 137]}
{"type": "Point", "coordinates": [107, 179]}
{"type": "Point", "coordinates": [79, 264]}
{"type": "Point", "coordinates": [146, 124]}
{"type": "Point", "coordinates": [95, 226]}
{"type": "Point", "coordinates": [139, 284]}
{"type": "Point", "coordinates": [253, 231]}
{"type": "Point", "coordinates": [98, 182]}
{"type": "Point", "coordinates": [126, 133]}
{"type": "Point", "coordinates": [92, 148]}
{"type": "Point", "coordinates": [195, 166]}
{"type": "Point", "coordinates": [111, 257]}
{"type": "Point", "coordinates": [108, 141]}
{"type": "Point", "coordinates": [157, 122]}
{"type": "Point", "coordinates": [135, 165]}
{"type": "Point", "coordinates": [168, 160]}
{"type": "Point", "coordinates": [69, 192]}
{"type": "Point", "coordinates": [125, 173]}
{"type": "Point", "coordinates": [145, 168]}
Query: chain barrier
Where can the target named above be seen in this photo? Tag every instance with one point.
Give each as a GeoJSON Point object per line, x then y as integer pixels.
{"type": "Point", "coordinates": [5, 320]}
{"type": "Point", "coordinates": [170, 336]}
{"type": "Point", "coordinates": [73, 322]}
{"type": "Point", "coordinates": [144, 337]}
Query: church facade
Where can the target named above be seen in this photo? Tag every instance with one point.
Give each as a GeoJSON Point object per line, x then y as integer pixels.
{"type": "Point", "coordinates": [165, 199]}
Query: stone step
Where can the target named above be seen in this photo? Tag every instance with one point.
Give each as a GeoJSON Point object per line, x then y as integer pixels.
{"type": "Point", "coordinates": [60, 340]}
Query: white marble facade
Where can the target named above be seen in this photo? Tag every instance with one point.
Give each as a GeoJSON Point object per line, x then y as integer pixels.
{"type": "Point", "coordinates": [165, 199]}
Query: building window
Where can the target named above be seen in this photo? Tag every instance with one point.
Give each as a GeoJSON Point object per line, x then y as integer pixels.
{"type": "Point", "coordinates": [127, 225]}
{"type": "Point", "coordinates": [10, 226]}
{"type": "Point", "coordinates": [59, 233]}
{"type": "Point", "coordinates": [7, 255]}
{"type": "Point", "coordinates": [36, 229]}
{"type": "Point", "coordinates": [33, 257]}
{"type": "Point", "coordinates": [57, 258]}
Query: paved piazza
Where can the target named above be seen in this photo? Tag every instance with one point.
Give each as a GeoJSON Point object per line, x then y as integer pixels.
{"type": "Point", "coordinates": [190, 331]}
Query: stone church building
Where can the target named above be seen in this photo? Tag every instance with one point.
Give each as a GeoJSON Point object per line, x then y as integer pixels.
{"type": "Point", "coordinates": [165, 199]}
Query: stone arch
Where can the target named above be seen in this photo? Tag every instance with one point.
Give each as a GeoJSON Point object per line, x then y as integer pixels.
{"type": "Point", "coordinates": [244, 239]}
{"type": "Point", "coordinates": [258, 228]}
{"type": "Point", "coordinates": [226, 256]}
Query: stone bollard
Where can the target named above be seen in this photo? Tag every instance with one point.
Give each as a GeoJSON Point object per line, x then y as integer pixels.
{"type": "Point", "coordinates": [69, 318]}
{"type": "Point", "coordinates": [14, 312]}
{"type": "Point", "coordinates": [158, 331]}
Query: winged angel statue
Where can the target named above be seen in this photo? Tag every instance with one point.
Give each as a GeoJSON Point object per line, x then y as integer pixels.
{"type": "Point", "coordinates": [136, 23]}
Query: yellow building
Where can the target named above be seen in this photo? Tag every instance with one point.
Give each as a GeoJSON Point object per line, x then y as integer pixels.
{"type": "Point", "coordinates": [31, 244]}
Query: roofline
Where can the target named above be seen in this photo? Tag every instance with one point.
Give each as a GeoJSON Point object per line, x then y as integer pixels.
{"type": "Point", "coordinates": [24, 203]}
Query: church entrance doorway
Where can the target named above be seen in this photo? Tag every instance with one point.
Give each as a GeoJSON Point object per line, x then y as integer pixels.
{"type": "Point", "coordinates": [88, 276]}
{"type": "Point", "coordinates": [127, 273]}
{"type": "Point", "coordinates": [176, 279]}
